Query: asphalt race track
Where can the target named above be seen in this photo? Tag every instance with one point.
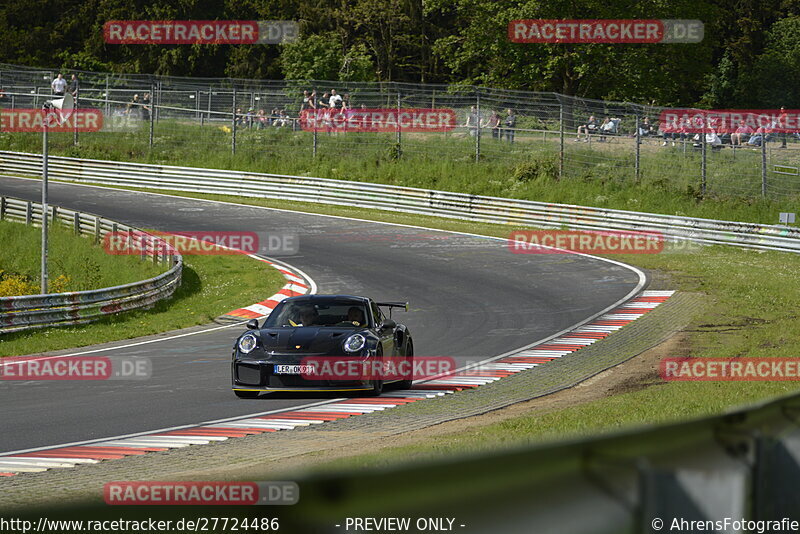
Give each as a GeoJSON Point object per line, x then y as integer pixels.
{"type": "Point", "coordinates": [471, 298]}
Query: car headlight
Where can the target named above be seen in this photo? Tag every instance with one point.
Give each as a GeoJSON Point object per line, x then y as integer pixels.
{"type": "Point", "coordinates": [354, 343]}
{"type": "Point", "coordinates": [247, 343]}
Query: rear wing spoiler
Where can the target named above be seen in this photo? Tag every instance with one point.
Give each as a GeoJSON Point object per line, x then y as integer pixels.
{"type": "Point", "coordinates": [392, 305]}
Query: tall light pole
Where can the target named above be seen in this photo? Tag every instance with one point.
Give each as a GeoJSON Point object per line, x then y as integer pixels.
{"type": "Point", "coordinates": [45, 119]}
{"type": "Point", "coordinates": [60, 110]}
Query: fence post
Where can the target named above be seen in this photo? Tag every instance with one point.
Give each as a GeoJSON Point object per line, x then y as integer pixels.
{"type": "Point", "coordinates": [75, 121]}
{"type": "Point", "coordinates": [560, 141]}
{"type": "Point", "coordinates": [151, 113]}
{"type": "Point", "coordinates": [477, 126]}
{"type": "Point", "coordinates": [399, 134]}
{"type": "Point", "coordinates": [97, 230]}
{"type": "Point", "coordinates": [638, 146]}
{"type": "Point", "coordinates": [157, 101]}
{"type": "Point", "coordinates": [28, 214]}
{"type": "Point", "coordinates": [233, 126]}
{"type": "Point", "coordinates": [703, 152]}
{"type": "Point", "coordinates": [764, 165]}
{"type": "Point", "coordinates": [314, 138]}
{"type": "Point", "coordinates": [209, 104]}
{"type": "Point", "coordinates": [107, 96]}
{"type": "Point", "coordinates": [76, 222]}
{"type": "Point", "coordinates": [2, 208]}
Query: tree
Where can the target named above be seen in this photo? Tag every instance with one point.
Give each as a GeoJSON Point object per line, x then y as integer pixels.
{"type": "Point", "coordinates": [773, 80]}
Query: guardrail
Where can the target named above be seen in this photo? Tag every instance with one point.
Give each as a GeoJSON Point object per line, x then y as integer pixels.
{"type": "Point", "coordinates": [743, 466]}
{"type": "Point", "coordinates": [403, 199]}
{"type": "Point", "coordinates": [39, 311]}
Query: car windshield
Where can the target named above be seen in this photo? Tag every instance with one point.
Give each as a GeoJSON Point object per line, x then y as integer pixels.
{"type": "Point", "coordinates": [325, 313]}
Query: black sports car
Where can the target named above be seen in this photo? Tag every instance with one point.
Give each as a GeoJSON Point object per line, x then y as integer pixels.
{"type": "Point", "coordinates": [323, 343]}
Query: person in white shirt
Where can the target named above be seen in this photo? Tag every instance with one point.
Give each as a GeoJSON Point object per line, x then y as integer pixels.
{"type": "Point", "coordinates": [59, 85]}
{"type": "Point", "coordinates": [335, 100]}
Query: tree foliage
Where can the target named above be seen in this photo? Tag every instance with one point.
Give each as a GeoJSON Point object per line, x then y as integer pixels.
{"type": "Point", "coordinates": [750, 55]}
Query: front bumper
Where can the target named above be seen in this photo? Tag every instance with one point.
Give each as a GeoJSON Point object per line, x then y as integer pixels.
{"type": "Point", "coordinates": [259, 375]}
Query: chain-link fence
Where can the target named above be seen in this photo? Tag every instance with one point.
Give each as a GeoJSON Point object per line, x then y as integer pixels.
{"type": "Point", "coordinates": [573, 138]}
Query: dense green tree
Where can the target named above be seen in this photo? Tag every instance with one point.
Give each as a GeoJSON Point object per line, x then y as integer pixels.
{"type": "Point", "coordinates": [739, 63]}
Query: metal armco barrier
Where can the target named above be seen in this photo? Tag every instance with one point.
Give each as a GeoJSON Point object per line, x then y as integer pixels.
{"type": "Point", "coordinates": [39, 311]}
{"type": "Point", "coordinates": [743, 466]}
{"type": "Point", "coordinates": [403, 199]}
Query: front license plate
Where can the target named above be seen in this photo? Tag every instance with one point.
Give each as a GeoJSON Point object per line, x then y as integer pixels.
{"type": "Point", "coordinates": [294, 370]}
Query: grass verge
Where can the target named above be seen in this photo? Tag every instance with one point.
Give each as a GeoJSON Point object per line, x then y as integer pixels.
{"type": "Point", "coordinates": [74, 262]}
{"type": "Point", "coordinates": [211, 286]}
{"type": "Point", "coordinates": [596, 174]}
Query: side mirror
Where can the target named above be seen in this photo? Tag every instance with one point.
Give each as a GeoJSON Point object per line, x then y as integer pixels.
{"type": "Point", "coordinates": [388, 323]}
{"type": "Point", "coordinates": [252, 324]}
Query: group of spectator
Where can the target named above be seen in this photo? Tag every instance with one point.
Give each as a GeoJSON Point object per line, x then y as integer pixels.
{"type": "Point", "coordinates": [60, 86]}
{"type": "Point", "coordinates": [681, 131]}
{"type": "Point", "coordinates": [501, 127]}
{"type": "Point", "coordinates": [277, 118]}
{"type": "Point", "coordinates": [328, 100]}
{"type": "Point", "coordinates": [609, 126]}
{"type": "Point", "coordinates": [139, 108]}
{"type": "Point", "coordinates": [743, 135]}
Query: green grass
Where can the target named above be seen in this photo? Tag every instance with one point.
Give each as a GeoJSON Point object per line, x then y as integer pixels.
{"type": "Point", "coordinates": [596, 174]}
{"type": "Point", "coordinates": [83, 265]}
{"type": "Point", "coordinates": [211, 286]}
{"type": "Point", "coordinates": [749, 311]}
{"type": "Point", "coordinates": [747, 315]}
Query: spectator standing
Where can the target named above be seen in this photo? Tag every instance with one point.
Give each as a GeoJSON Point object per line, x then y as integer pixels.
{"type": "Point", "coordinates": [74, 85]}
{"type": "Point", "coordinates": [510, 124]}
{"type": "Point", "coordinates": [306, 104]}
{"type": "Point", "coordinates": [781, 125]}
{"type": "Point", "coordinates": [134, 107]}
{"type": "Point", "coordinates": [472, 121]}
{"type": "Point", "coordinates": [335, 100]}
{"type": "Point", "coordinates": [493, 122]}
{"type": "Point", "coordinates": [324, 102]}
{"type": "Point", "coordinates": [59, 85]}
{"type": "Point", "coordinates": [146, 107]}
{"type": "Point", "coordinates": [346, 102]}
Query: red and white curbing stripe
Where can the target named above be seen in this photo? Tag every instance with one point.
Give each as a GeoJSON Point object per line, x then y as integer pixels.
{"type": "Point", "coordinates": [70, 456]}
{"type": "Point", "coordinates": [295, 285]}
